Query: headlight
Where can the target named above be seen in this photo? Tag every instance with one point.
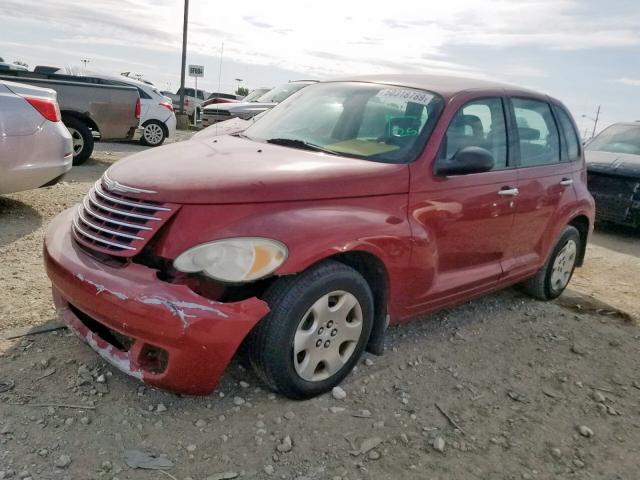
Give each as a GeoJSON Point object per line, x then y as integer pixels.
{"type": "Point", "coordinates": [233, 259]}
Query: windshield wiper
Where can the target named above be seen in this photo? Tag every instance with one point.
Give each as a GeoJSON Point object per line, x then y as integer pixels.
{"type": "Point", "coordinates": [301, 144]}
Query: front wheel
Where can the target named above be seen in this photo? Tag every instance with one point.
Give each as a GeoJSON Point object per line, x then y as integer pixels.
{"type": "Point", "coordinates": [318, 327]}
{"type": "Point", "coordinates": [554, 276]}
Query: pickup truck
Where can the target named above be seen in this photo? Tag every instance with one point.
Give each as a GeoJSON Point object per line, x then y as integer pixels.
{"type": "Point", "coordinates": [192, 101]}
{"type": "Point", "coordinates": [92, 108]}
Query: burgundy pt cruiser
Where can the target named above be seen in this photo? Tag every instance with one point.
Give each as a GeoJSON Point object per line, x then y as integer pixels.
{"type": "Point", "coordinates": [353, 205]}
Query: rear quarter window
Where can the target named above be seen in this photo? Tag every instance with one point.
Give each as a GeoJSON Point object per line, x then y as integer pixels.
{"type": "Point", "coordinates": [571, 136]}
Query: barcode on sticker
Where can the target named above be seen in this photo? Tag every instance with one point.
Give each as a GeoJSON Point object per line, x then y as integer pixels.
{"type": "Point", "coordinates": [407, 95]}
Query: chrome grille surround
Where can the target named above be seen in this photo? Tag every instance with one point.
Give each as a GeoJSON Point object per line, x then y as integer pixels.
{"type": "Point", "coordinates": [117, 224]}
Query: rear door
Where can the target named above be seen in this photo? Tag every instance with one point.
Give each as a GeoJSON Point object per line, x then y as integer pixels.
{"type": "Point", "coordinates": [545, 183]}
{"type": "Point", "coordinates": [463, 222]}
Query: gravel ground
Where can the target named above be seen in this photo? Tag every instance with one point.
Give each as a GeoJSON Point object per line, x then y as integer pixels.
{"type": "Point", "coordinates": [504, 387]}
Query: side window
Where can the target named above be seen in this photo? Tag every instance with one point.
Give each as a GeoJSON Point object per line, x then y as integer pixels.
{"type": "Point", "coordinates": [479, 123]}
{"type": "Point", "coordinates": [539, 139]}
{"type": "Point", "coordinates": [573, 142]}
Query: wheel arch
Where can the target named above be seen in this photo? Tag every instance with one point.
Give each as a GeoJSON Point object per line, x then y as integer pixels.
{"type": "Point", "coordinates": [163, 125]}
{"type": "Point", "coordinates": [582, 224]}
{"type": "Point", "coordinates": [81, 117]}
{"type": "Point", "coordinates": [374, 271]}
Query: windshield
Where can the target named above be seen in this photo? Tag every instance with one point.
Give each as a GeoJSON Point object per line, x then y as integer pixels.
{"type": "Point", "coordinates": [618, 139]}
{"type": "Point", "coordinates": [278, 94]}
{"type": "Point", "coordinates": [255, 95]}
{"type": "Point", "coordinates": [363, 120]}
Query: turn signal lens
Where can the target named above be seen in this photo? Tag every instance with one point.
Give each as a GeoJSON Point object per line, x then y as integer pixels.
{"type": "Point", "coordinates": [234, 260]}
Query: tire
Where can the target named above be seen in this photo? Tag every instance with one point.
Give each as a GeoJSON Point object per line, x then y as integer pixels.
{"type": "Point", "coordinates": [554, 276]}
{"type": "Point", "coordinates": [82, 139]}
{"type": "Point", "coordinates": [154, 133]}
{"type": "Point", "coordinates": [325, 349]}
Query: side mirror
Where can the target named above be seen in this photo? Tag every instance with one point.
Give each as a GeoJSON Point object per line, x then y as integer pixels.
{"type": "Point", "coordinates": [467, 160]}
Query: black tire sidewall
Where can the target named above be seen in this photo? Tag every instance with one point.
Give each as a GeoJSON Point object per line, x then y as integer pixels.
{"type": "Point", "coordinates": [144, 141]}
{"type": "Point", "coordinates": [570, 233]}
{"type": "Point", "coordinates": [87, 137]}
{"type": "Point", "coordinates": [289, 318]}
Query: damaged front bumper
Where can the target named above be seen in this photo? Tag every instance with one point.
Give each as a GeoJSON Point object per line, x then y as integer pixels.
{"type": "Point", "coordinates": [162, 333]}
{"type": "Point", "coordinates": [617, 198]}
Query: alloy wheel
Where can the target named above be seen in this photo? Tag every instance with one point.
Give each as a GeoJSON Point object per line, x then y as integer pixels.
{"type": "Point", "coordinates": [153, 134]}
{"type": "Point", "coordinates": [78, 141]}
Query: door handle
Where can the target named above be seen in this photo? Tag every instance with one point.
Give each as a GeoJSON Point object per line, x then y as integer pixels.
{"type": "Point", "coordinates": [565, 182]}
{"type": "Point", "coordinates": [508, 191]}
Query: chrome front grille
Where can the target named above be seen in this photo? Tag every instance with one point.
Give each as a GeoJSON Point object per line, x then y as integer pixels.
{"type": "Point", "coordinates": [213, 111]}
{"type": "Point", "coordinates": [116, 224]}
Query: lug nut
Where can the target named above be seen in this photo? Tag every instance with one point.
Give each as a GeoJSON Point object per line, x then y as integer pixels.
{"type": "Point", "coordinates": [334, 332]}
{"type": "Point", "coordinates": [318, 343]}
{"type": "Point", "coordinates": [326, 344]}
{"type": "Point", "coordinates": [330, 324]}
{"type": "Point", "coordinates": [320, 330]}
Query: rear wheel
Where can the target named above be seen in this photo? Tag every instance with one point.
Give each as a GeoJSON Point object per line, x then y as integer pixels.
{"type": "Point", "coordinates": [153, 134]}
{"type": "Point", "coordinates": [82, 139]}
{"type": "Point", "coordinates": [554, 276]}
{"type": "Point", "coordinates": [318, 327]}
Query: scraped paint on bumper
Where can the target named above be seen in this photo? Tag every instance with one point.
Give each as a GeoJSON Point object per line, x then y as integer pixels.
{"type": "Point", "coordinates": [101, 303]}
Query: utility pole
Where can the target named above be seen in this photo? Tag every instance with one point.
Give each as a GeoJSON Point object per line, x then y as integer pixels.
{"type": "Point", "coordinates": [220, 68]}
{"type": "Point", "coordinates": [84, 62]}
{"type": "Point", "coordinates": [184, 54]}
{"type": "Point", "coordinates": [238, 80]}
{"type": "Point", "coordinates": [595, 123]}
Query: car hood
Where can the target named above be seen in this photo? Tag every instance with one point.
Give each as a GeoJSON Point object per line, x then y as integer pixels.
{"type": "Point", "coordinates": [620, 164]}
{"type": "Point", "coordinates": [230, 169]}
{"type": "Point", "coordinates": [240, 106]}
{"type": "Point", "coordinates": [228, 127]}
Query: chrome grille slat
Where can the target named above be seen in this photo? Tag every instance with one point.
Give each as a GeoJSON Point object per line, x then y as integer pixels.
{"type": "Point", "coordinates": [124, 213]}
{"type": "Point", "coordinates": [98, 190]}
{"type": "Point", "coordinates": [98, 239]}
{"type": "Point", "coordinates": [91, 212]}
{"type": "Point", "coordinates": [112, 221]}
{"type": "Point", "coordinates": [106, 230]}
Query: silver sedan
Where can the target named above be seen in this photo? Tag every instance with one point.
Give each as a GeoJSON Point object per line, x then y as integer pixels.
{"type": "Point", "coordinates": [36, 149]}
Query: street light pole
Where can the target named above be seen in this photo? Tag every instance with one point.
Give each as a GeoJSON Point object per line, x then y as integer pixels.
{"type": "Point", "coordinates": [595, 123]}
{"type": "Point", "coordinates": [184, 54]}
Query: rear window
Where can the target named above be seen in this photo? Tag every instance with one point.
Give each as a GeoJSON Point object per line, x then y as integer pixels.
{"type": "Point", "coordinates": [538, 135]}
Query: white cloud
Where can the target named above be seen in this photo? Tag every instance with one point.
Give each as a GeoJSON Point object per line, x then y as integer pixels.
{"type": "Point", "coordinates": [332, 37]}
{"type": "Point", "coordinates": [633, 82]}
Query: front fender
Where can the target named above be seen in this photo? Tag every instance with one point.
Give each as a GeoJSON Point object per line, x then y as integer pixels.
{"type": "Point", "coordinates": [312, 231]}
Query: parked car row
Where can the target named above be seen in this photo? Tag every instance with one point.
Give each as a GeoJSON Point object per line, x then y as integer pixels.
{"type": "Point", "coordinates": [91, 108]}
{"type": "Point", "coordinates": [349, 206]}
{"type": "Point", "coordinates": [255, 103]}
{"type": "Point", "coordinates": [36, 149]}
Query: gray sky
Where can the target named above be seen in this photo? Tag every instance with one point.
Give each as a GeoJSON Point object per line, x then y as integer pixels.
{"type": "Point", "coordinates": [585, 52]}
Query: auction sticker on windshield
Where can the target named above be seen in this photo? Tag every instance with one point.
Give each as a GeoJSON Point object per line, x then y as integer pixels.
{"type": "Point", "coordinates": [406, 94]}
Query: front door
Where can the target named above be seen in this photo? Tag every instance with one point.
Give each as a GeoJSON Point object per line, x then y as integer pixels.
{"type": "Point", "coordinates": [462, 224]}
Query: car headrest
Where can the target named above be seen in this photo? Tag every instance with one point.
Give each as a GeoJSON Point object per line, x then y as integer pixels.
{"type": "Point", "coordinates": [528, 134]}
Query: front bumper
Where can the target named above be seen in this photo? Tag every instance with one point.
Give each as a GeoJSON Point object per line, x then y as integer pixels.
{"type": "Point", "coordinates": [199, 335]}
{"type": "Point", "coordinates": [617, 198]}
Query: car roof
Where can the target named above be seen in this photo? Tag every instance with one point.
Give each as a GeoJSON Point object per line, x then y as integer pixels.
{"type": "Point", "coordinates": [445, 85]}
